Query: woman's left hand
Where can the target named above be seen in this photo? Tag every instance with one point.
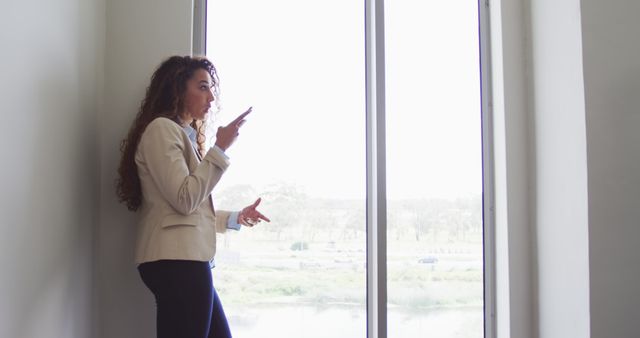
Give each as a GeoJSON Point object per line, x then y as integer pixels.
{"type": "Point", "coordinates": [249, 216]}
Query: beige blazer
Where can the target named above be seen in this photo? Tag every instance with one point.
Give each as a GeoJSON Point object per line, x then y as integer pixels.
{"type": "Point", "coordinates": [177, 218]}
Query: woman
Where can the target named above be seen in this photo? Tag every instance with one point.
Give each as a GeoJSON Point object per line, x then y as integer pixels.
{"type": "Point", "coordinates": [167, 175]}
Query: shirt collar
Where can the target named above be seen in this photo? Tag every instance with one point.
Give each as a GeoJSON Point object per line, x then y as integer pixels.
{"type": "Point", "coordinates": [192, 133]}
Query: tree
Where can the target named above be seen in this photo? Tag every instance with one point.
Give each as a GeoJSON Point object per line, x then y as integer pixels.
{"type": "Point", "coordinates": [287, 203]}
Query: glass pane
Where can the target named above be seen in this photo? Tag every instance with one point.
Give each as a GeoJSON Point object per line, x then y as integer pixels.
{"type": "Point", "coordinates": [434, 170]}
{"type": "Point", "coordinates": [301, 66]}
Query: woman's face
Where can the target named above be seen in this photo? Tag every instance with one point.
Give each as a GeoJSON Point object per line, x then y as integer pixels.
{"type": "Point", "coordinates": [198, 96]}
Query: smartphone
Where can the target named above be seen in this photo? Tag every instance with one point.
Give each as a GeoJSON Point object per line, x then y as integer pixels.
{"type": "Point", "coordinates": [240, 118]}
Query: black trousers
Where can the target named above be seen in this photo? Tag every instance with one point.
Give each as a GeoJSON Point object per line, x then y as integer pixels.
{"type": "Point", "coordinates": [187, 303]}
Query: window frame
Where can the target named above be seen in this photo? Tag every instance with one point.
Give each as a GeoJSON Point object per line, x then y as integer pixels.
{"type": "Point", "coordinates": [488, 170]}
{"type": "Point", "coordinates": [376, 217]}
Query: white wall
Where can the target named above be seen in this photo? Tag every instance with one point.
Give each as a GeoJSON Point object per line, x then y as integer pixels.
{"type": "Point", "coordinates": [559, 170]}
{"type": "Point", "coordinates": [140, 34]}
{"type": "Point", "coordinates": [51, 65]}
{"type": "Point", "coordinates": [582, 63]}
{"type": "Point", "coordinates": [612, 90]}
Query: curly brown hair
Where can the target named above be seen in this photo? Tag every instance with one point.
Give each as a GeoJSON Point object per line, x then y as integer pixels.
{"type": "Point", "coordinates": [164, 98]}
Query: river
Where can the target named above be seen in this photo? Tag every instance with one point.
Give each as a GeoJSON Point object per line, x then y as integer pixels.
{"type": "Point", "coordinates": [312, 322]}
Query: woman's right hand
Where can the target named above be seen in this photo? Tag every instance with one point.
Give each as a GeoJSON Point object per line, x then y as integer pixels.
{"type": "Point", "coordinates": [225, 136]}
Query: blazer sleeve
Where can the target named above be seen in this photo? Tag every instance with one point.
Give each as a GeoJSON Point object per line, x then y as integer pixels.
{"type": "Point", "coordinates": [163, 149]}
{"type": "Point", "coordinates": [222, 218]}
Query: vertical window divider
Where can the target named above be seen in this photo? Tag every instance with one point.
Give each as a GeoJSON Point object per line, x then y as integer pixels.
{"type": "Point", "coordinates": [488, 173]}
{"type": "Point", "coordinates": [376, 171]}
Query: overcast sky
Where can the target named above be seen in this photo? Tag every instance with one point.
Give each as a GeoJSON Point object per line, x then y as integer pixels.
{"type": "Point", "coordinates": [300, 64]}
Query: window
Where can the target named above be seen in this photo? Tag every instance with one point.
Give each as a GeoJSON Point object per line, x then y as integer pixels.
{"type": "Point", "coordinates": [366, 145]}
{"type": "Point", "coordinates": [433, 169]}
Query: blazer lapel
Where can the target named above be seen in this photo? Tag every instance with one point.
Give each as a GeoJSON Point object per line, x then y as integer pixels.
{"type": "Point", "coordinates": [195, 150]}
